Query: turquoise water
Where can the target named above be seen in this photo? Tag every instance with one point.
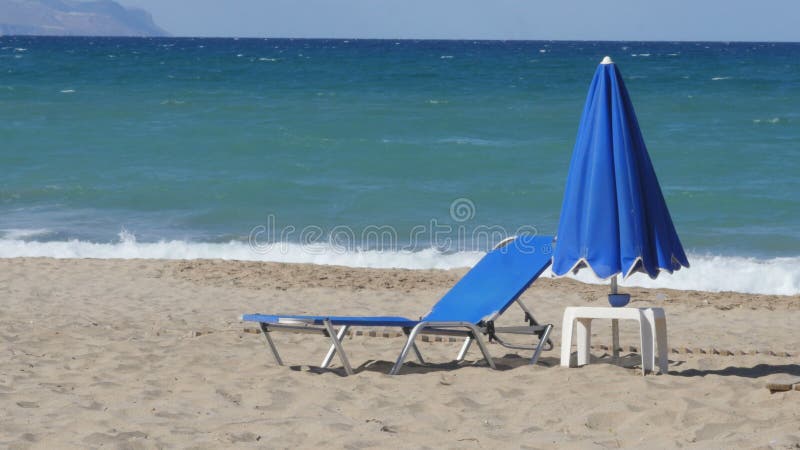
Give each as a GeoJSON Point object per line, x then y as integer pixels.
{"type": "Point", "coordinates": [199, 141]}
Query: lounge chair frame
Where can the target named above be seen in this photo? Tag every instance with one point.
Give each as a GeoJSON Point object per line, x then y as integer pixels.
{"type": "Point", "coordinates": [469, 331]}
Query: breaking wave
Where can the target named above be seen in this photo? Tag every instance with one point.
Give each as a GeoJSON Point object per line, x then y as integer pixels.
{"type": "Point", "coordinates": [778, 276]}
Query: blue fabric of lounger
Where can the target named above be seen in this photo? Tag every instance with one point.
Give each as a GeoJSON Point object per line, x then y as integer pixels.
{"type": "Point", "coordinates": [376, 321]}
{"type": "Point", "coordinates": [487, 290]}
{"type": "Point", "coordinates": [468, 309]}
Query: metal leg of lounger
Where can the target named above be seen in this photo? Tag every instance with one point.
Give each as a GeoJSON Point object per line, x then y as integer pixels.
{"type": "Point", "coordinates": [409, 344]}
{"type": "Point", "coordinates": [477, 336]}
{"type": "Point", "coordinates": [415, 348]}
{"type": "Point", "coordinates": [332, 351]}
{"type": "Point", "coordinates": [418, 353]}
{"type": "Point", "coordinates": [338, 346]}
{"type": "Point", "coordinates": [464, 349]}
{"type": "Point", "coordinates": [265, 332]}
{"type": "Point", "coordinates": [539, 347]}
{"type": "Point", "coordinates": [528, 313]}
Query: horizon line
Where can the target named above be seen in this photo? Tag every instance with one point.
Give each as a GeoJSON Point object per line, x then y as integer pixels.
{"type": "Point", "coordinates": [401, 39]}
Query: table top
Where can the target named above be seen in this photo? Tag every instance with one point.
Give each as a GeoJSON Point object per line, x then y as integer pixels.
{"type": "Point", "coordinates": [608, 312]}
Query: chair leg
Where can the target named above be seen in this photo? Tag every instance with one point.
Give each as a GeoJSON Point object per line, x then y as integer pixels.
{"type": "Point", "coordinates": [416, 349]}
{"type": "Point", "coordinates": [542, 341]}
{"type": "Point", "coordinates": [338, 347]}
{"type": "Point", "coordinates": [464, 349]}
{"type": "Point", "coordinates": [332, 351]}
{"type": "Point", "coordinates": [406, 348]}
{"type": "Point", "coordinates": [418, 353]}
{"type": "Point", "coordinates": [265, 332]}
{"type": "Point", "coordinates": [477, 336]}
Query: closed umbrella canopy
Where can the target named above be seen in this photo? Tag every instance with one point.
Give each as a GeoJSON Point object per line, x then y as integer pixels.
{"type": "Point", "coordinates": [614, 219]}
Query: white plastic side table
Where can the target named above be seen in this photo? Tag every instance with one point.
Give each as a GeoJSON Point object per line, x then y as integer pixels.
{"type": "Point", "coordinates": [652, 333]}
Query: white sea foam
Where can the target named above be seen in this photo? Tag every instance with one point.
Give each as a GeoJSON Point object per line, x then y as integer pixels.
{"type": "Point", "coordinates": [68, 91]}
{"type": "Point", "coordinates": [128, 248]}
{"type": "Point", "coordinates": [720, 78]}
{"type": "Point", "coordinates": [776, 276]}
{"type": "Point", "coordinates": [780, 276]}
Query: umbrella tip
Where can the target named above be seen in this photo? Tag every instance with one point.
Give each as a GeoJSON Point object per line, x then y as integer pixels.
{"type": "Point", "coordinates": [607, 60]}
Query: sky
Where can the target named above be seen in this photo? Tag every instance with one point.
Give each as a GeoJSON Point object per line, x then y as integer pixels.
{"type": "Point", "coordinates": [664, 20]}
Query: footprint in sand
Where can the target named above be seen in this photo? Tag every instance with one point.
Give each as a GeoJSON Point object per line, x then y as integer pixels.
{"type": "Point", "coordinates": [117, 439]}
{"type": "Point", "coordinates": [27, 404]}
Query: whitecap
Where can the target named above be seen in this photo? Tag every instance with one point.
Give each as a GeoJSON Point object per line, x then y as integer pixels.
{"type": "Point", "coordinates": [773, 120]}
{"type": "Point", "coordinates": [462, 140]}
{"type": "Point", "coordinates": [720, 78]}
{"type": "Point", "coordinates": [446, 57]}
{"type": "Point", "coordinates": [268, 59]}
{"type": "Point", "coordinates": [68, 91]}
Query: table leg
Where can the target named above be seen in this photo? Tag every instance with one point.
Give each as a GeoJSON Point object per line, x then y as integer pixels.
{"type": "Point", "coordinates": [584, 335]}
{"type": "Point", "coordinates": [663, 347]}
{"type": "Point", "coordinates": [566, 337]}
{"type": "Point", "coordinates": [646, 325]}
{"type": "Point", "coordinates": [615, 341]}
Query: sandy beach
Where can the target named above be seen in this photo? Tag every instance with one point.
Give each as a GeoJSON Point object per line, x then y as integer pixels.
{"type": "Point", "coordinates": [150, 353]}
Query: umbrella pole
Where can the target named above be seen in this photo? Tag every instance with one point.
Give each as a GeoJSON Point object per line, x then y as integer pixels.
{"type": "Point", "coordinates": [614, 328]}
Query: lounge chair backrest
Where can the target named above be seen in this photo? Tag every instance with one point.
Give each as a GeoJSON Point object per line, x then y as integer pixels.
{"type": "Point", "coordinates": [495, 281]}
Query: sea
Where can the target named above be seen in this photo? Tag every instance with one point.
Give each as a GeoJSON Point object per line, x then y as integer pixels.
{"type": "Point", "coordinates": [385, 153]}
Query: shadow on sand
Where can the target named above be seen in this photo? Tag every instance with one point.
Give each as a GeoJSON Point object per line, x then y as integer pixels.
{"type": "Point", "coordinates": [757, 371]}
{"type": "Point", "coordinates": [507, 362]}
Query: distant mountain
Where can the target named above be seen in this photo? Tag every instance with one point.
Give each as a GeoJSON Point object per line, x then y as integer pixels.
{"type": "Point", "coordinates": [75, 18]}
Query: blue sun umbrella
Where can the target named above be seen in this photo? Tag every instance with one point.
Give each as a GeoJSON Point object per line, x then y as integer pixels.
{"type": "Point", "coordinates": [614, 219]}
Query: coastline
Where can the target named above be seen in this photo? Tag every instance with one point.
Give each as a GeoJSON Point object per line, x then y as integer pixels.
{"type": "Point", "coordinates": [151, 353]}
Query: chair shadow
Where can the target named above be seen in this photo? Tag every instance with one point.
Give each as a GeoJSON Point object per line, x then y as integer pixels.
{"type": "Point", "coordinates": [630, 361]}
{"type": "Point", "coordinates": [757, 371]}
{"type": "Point", "coordinates": [502, 363]}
